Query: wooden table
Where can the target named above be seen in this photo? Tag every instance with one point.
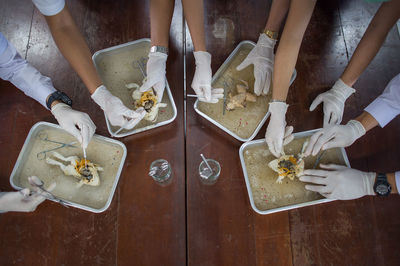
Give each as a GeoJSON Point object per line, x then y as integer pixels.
{"type": "Point", "coordinates": [187, 222]}
{"type": "Point", "coordinates": [145, 224]}
{"type": "Point", "coordinates": [222, 227]}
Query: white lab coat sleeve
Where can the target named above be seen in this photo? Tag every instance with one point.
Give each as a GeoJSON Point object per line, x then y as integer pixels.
{"type": "Point", "coordinates": [22, 74]}
{"type": "Point", "coordinates": [387, 105]}
{"type": "Point", "coordinates": [397, 176]}
{"type": "Point", "coordinates": [49, 7]}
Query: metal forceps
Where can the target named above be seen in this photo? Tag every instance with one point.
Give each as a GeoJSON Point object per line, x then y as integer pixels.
{"type": "Point", "coordinates": [48, 195]}
{"type": "Point", "coordinates": [141, 65]}
{"type": "Point", "coordinates": [227, 84]}
{"type": "Point", "coordinates": [137, 64]}
{"type": "Point", "coordinates": [43, 136]}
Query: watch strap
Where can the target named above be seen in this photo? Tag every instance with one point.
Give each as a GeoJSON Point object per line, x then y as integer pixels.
{"type": "Point", "coordinates": [160, 49]}
{"type": "Point", "coordinates": [381, 179]}
{"type": "Point", "coordinates": [271, 34]}
{"type": "Point", "coordinates": [58, 96]}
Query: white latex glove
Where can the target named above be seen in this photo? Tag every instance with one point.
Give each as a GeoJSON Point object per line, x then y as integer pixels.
{"type": "Point", "coordinates": [69, 119]}
{"type": "Point", "coordinates": [333, 102]}
{"type": "Point", "coordinates": [262, 57]}
{"type": "Point", "coordinates": [117, 113]}
{"type": "Point", "coordinates": [25, 200]}
{"type": "Point", "coordinates": [334, 136]}
{"type": "Point", "coordinates": [277, 135]}
{"type": "Point", "coordinates": [156, 66]}
{"type": "Point", "coordinates": [201, 83]}
{"type": "Point", "coordinates": [341, 182]}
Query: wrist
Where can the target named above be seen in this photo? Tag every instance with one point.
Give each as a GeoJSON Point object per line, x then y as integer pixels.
{"type": "Point", "coordinates": [392, 181]}
{"type": "Point", "coordinates": [277, 110]}
{"type": "Point", "coordinates": [367, 120]}
{"type": "Point", "coordinates": [100, 95]}
{"type": "Point", "coordinates": [54, 103]}
{"type": "Point", "coordinates": [273, 35]}
{"type": "Point", "coordinates": [357, 127]}
{"type": "Point", "coordinates": [342, 90]}
{"type": "Point", "coordinates": [159, 49]}
{"type": "Point", "coordinates": [265, 41]}
{"type": "Point", "coordinates": [202, 58]}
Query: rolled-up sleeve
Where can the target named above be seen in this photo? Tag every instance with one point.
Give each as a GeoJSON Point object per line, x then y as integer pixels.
{"type": "Point", "coordinates": [49, 7]}
{"type": "Point", "coordinates": [387, 105]}
{"type": "Point", "coordinates": [22, 74]}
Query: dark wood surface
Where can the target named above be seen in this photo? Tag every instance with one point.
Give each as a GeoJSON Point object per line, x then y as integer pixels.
{"type": "Point", "coordinates": [222, 227]}
{"type": "Point", "coordinates": [187, 222]}
{"type": "Point", "coordinates": [145, 224]}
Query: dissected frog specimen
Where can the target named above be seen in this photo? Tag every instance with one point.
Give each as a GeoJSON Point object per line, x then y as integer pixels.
{"type": "Point", "coordinates": [147, 100]}
{"type": "Point", "coordinates": [84, 170]}
{"type": "Point", "coordinates": [290, 166]}
{"type": "Point", "coordinates": [240, 99]}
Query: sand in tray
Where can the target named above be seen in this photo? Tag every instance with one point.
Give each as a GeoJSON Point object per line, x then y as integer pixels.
{"type": "Point", "coordinates": [241, 121]}
{"type": "Point", "coordinates": [107, 155]}
{"type": "Point", "coordinates": [117, 68]}
{"type": "Point", "coordinates": [267, 194]}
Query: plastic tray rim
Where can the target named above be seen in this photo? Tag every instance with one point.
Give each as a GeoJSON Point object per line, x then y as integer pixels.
{"type": "Point", "coordinates": [216, 75]}
{"type": "Point", "coordinates": [288, 207]}
{"type": "Point", "coordinates": [72, 204]}
{"type": "Point", "coordinates": [167, 88]}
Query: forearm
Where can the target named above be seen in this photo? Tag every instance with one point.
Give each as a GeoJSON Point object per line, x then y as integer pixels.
{"type": "Point", "coordinates": [277, 13]}
{"type": "Point", "coordinates": [286, 56]}
{"type": "Point", "coordinates": [367, 120]}
{"type": "Point", "coordinates": [371, 42]}
{"type": "Point", "coordinates": [74, 48]}
{"type": "Point", "coordinates": [392, 181]}
{"type": "Point", "coordinates": [194, 15]}
{"type": "Point", "coordinates": [160, 21]}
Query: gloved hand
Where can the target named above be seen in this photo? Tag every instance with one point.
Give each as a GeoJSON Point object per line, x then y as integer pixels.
{"type": "Point", "coordinates": [276, 135]}
{"type": "Point", "coordinates": [25, 200]}
{"type": "Point", "coordinates": [69, 119]}
{"type": "Point", "coordinates": [262, 57]}
{"type": "Point", "coordinates": [341, 182]}
{"type": "Point", "coordinates": [156, 66]}
{"type": "Point", "coordinates": [333, 102]}
{"type": "Point", "coordinates": [334, 136]}
{"type": "Point", "coordinates": [115, 110]}
{"type": "Point", "coordinates": [201, 83]}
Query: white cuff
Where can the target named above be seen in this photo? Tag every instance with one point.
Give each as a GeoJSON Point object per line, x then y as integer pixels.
{"type": "Point", "coordinates": [382, 111]}
{"type": "Point", "coordinates": [397, 177]}
{"type": "Point", "coordinates": [33, 84]}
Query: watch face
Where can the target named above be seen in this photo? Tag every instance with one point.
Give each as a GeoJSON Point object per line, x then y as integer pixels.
{"type": "Point", "coordinates": [382, 189]}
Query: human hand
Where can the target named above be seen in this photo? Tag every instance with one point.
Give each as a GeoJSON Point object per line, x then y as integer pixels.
{"type": "Point", "coordinates": [201, 83]}
{"type": "Point", "coordinates": [25, 200]}
{"type": "Point", "coordinates": [117, 113]}
{"type": "Point", "coordinates": [339, 182]}
{"type": "Point", "coordinates": [333, 101]}
{"type": "Point", "coordinates": [70, 120]}
{"type": "Point", "coordinates": [262, 57]}
{"type": "Point", "coordinates": [277, 133]}
{"type": "Point", "coordinates": [156, 66]}
{"type": "Point", "coordinates": [333, 136]}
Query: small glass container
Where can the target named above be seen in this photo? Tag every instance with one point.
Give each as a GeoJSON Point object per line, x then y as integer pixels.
{"type": "Point", "coordinates": [160, 170]}
{"type": "Point", "coordinates": [206, 175]}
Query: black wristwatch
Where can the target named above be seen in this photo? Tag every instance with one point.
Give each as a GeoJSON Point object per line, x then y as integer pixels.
{"type": "Point", "coordinates": [381, 187]}
{"type": "Point", "coordinates": [58, 96]}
